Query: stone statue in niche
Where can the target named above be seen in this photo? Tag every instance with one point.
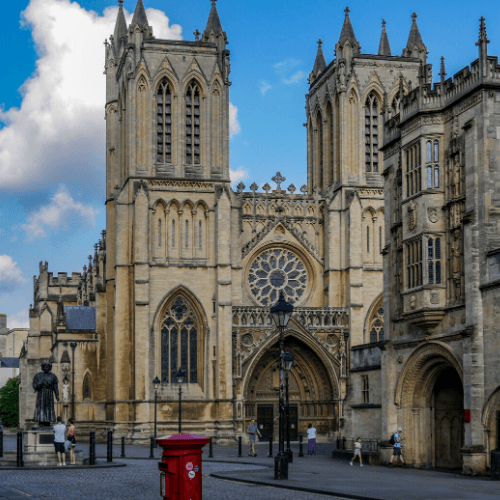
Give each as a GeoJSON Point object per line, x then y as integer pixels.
{"type": "Point", "coordinates": [46, 385]}
{"type": "Point", "coordinates": [65, 391]}
{"type": "Point", "coordinates": [342, 77]}
{"type": "Point", "coordinates": [455, 179]}
{"type": "Point", "coordinates": [456, 264]}
{"type": "Point", "coordinates": [227, 68]}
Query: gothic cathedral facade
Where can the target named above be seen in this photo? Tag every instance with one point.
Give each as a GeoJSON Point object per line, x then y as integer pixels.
{"type": "Point", "coordinates": [184, 275]}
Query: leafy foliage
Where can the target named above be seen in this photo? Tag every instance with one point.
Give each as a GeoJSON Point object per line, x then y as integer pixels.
{"type": "Point", "coordinates": [9, 403]}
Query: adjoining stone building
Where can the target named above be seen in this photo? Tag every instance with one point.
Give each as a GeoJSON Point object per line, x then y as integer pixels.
{"type": "Point", "coordinates": [187, 268]}
{"type": "Point", "coordinates": [442, 266]}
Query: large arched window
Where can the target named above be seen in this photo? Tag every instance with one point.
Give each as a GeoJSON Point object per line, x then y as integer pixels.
{"type": "Point", "coordinates": [179, 342]}
{"type": "Point", "coordinates": [376, 322]}
{"type": "Point", "coordinates": [371, 133]}
{"type": "Point", "coordinates": [164, 123]}
{"type": "Point", "coordinates": [193, 124]}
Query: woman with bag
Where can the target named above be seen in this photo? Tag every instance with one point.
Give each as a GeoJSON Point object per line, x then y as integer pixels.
{"type": "Point", "coordinates": [72, 440]}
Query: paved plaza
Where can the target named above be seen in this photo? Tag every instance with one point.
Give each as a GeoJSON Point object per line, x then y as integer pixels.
{"type": "Point", "coordinates": [228, 477]}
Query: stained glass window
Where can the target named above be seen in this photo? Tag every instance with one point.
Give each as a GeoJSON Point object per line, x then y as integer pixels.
{"type": "Point", "coordinates": [275, 271]}
{"type": "Point", "coordinates": [179, 342]}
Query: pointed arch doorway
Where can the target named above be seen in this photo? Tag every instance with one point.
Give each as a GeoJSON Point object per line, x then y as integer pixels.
{"type": "Point", "coordinates": [311, 392]}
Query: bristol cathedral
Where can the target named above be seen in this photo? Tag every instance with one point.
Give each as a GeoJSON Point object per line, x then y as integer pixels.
{"type": "Point", "coordinates": [389, 253]}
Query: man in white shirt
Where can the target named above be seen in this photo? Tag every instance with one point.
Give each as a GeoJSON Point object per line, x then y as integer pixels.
{"type": "Point", "coordinates": [59, 438]}
{"type": "Point", "coordinates": [311, 440]}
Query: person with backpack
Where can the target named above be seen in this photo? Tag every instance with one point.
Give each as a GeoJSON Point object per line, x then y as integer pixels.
{"type": "Point", "coordinates": [395, 440]}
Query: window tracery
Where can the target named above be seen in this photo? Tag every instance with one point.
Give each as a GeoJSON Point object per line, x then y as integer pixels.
{"type": "Point", "coordinates": [274, 271]}
{"type": "Point", "coordinates": [164, 123]}
{"type": "Point", "coordinates": [376, 326]}
{"type": "Point", "coordinates": [371, 133]}
{"type": "Point", "coordinates": [193, 124]}
{"type": "Point", "coordinates": [179, 342]}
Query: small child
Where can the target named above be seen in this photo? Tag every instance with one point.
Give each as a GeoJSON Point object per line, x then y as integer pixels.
{"type": "Point", "coordinates": [357, 452]}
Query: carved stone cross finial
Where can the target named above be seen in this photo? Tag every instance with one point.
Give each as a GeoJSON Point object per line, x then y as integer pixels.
{"type": "Point", "coordinates": [347, 10]}
{"type": "Point", "coordinates": [240, 187]}
{"type": "Point", "coordinates": [120, 2]}
{"type": "Point", "coordinates": [254, 187]}
{"type": "Point", "coordinates": [278, 178]}
{"type": "Point", "coordinates": [304, 189]}
{"type": "Point", "coordinates": [414, 16]}
{"type": "Point", "coordinates": [320, 42]}
{"type": "Point", "coordinates": [197, 35]}
{"type": "Point", "coordinates": [266, 187]}
{"type": "Point", "coordinates": [292, 188]}
{"type": "Point", "coordinates": [383, 23]}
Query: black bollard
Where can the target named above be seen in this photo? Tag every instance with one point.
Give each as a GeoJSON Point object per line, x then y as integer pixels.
{"type": "Point", "coordinates": [151, 447]}
{"type": "Point", "coordinates": [239, 447]}
{"type": "Point", "coordinates": [211, 449]}
{"type": "Point", "coordinates": [270, 447]}
{"type": "Point", "coordinates": [110, 446]}
{"type": "Point", "coordinates": [20, 462]}
{"type": "Point", "coordinates": [123, 447]}
{"type": "Point", "coordinates": [92, 448]}
{"type": "Point", "coordinates": [301, 451]}
{"type": "Point", "coordinates": [1, 443]}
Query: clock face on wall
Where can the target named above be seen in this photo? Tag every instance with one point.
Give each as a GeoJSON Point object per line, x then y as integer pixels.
{"type": "Point", "coordinates": [274, 271]}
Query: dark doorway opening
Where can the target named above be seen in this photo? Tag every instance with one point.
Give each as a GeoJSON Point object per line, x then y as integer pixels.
{"type": "Point", "coordinates": [448, 396]}
{"type": "Point", "coordinates": [265, 415]}
{"type": "Point", "coordinates": [294, 422]}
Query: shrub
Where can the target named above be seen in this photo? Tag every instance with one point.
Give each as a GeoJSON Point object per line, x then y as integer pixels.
{"type": "Point", "coordinates": [9, 403]}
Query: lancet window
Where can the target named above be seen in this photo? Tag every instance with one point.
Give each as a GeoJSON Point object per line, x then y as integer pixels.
{"type": "Point", "coordinates": [414, 263]}
{"type": "Point", "coordinates": [432, 160]}
{"type": "Point", "coordinates": [434, 260]}
{"type": "Point", "coordinates": [193, 124]}
{"type": "Point", "coordinates": [371, 133]}
{"type": "Point", "coordinates": [164, 123]}
{"type": "Point", "coordinates": [179, 342]}
{"type": "Point", "coordinates": [377, 323]}
{"type": "Point", "coordinates": [413, 170]}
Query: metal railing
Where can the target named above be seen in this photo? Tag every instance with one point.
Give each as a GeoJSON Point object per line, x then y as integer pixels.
{"type": "Point", "coordinates": [346, 443]}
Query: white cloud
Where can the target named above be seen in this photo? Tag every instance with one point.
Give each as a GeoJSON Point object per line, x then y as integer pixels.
{"type": "Point", "coordinates": [10, 275]}
{"type": "Point", "coordinates": [59, 128]}
{"type": "Point", "coordinates": [234, 124]}
{"type": "Point", "coordinates": [285, 66]}
{"type": "Point", "coordinates": [264, 87]}
{"type": "Point", "coordinates": [237, 175]}
{"type": "Point", "coordinates": [20, 319]}
{"type": "Point", "coordinates": [295, 78]}
{"type": "Point", "coordinates": [63, 212]}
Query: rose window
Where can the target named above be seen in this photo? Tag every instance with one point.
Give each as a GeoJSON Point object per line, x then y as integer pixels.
{"type": "Point", "coordinates": [275, 271]}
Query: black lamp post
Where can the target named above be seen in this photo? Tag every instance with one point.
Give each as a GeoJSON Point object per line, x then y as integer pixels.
{"type": "Point", "coordinates": [156, 385]}
{"type": "Point", "coordinates": [73, 347]}
{"type": "Point", "coordinates": [281, 312]}
{"type": "Point", "coordinates": [180, 377]}
{"type": "Point", "coordinates": [288, 359]}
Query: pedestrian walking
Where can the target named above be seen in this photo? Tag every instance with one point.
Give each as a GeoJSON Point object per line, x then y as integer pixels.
{"type": "Point", "coordinates": [311, 440]}
{"type": "Point", "coordinates": [59, 438]}
{"type": "Point", "coordinates": [72, 440]}
{"type": "Point", "coordinates": [358, 445]}
{"type": "Point", "coordinates": [253, 431]}
{"type": "Point", "coordinates": [395, 440]}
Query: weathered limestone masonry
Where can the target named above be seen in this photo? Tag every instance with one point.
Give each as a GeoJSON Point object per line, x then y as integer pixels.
{"type": "Point", "coordinates": [442, 267]}
{"type": "Point", "coordinates": [187, 269]}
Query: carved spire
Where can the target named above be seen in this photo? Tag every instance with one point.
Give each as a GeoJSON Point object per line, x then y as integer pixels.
{"type": "Point", "coordinates": [442, 71]}
{"type": "Point", "coordinates": [213, 22]}
{"type": "Point", "coordinates": [120, 27]}
{"type": "Point", "coordinates": [384, 49]}
{"type": "Point", "coordinates": [140, 16]}
{"type": "Point", "coordinates": [319, 63]}
{"type": "Point", "coordinates": [415, 46]}
{"type": "Point", "coordinates": [214, 32]}
{"type": "Point", "coordinates": [482, 43]}
{"type": "Point", "coordinates": [347, 37]}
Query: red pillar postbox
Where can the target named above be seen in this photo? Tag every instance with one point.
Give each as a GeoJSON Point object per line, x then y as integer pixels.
{"type": "Point", "coordinates": [180, 468]}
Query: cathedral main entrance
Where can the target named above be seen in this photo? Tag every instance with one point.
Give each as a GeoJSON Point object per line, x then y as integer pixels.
{"type": "Point", "coordinates": [310, 392]}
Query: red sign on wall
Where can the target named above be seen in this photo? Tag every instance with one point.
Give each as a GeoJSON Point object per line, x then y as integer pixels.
{"type": "Point", "coordinates": [467, 416]}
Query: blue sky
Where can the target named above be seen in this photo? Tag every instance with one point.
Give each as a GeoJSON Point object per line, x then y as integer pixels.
{"type": "Point", "coordinates": [52, 97]}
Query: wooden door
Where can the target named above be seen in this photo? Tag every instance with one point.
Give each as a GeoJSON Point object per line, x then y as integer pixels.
{"type": "Point", "coordinates": [294, 423]}
{"type": "Point", "coordinates": [265, 420]}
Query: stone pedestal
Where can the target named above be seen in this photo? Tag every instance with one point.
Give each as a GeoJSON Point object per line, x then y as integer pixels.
{"type": "Point", "coordinates": [495, 465]}
{"type": "Point", "coordinates": [474, 460]}
{"type": "Point", "coordinates": [39, 450]}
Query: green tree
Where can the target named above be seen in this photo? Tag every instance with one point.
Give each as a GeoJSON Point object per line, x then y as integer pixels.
{"type": "Point", "coordinates": [9, 403]}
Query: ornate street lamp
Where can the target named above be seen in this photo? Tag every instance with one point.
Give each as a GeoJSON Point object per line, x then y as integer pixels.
{"type": "Point", "coordinates": [180, 377]}
{"type": "Point", "coordinates": [288, 362]}
{"type": "Point", "coordinates": [281, 312]}
{"type": "Point", "coordinates": [156, 385]}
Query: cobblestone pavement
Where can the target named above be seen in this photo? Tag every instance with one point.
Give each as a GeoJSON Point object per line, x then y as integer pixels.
{"type": "Point", "coordinates": [138, 481]}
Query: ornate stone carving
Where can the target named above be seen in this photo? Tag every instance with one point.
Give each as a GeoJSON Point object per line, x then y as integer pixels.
{"type": "Point", "coordinates": [456, 264]}
{"type": "Point", "coordinates": [341, 77]}
{"type": "Point", "coordinates": [432, 214]}
{"type": "Point", "coordinates": [412, 218]}
{"type": "Point", "coordinates": [434, 298]}
{"type": "Point", "coordinates": [247, 340]}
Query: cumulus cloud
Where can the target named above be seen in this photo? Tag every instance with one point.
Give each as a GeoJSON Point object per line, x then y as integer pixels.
{"type": "Point", "coordinates": [11, 276]}
{"type": "Point", "coordinates": [59, 128]}
{"type": "Point", "coordinates": [20, 319]}
{"type": "Point", "coordinates": [237, 175]}
{"type": "Point", "coordinates": [62, 213]}
{"type": "Point", "coordinates": [234, 124]}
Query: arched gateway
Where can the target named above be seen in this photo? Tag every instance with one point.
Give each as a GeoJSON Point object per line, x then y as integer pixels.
{"type": "Point", "coordinates": [431, 400]}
